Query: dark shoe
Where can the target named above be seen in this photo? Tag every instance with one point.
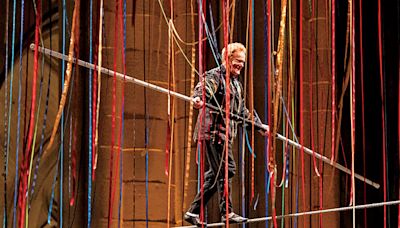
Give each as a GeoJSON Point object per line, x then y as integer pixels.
{"type": "Point", "coordinates": [234, 218]}
{"type": "Point", "coordinates": [194, 219]}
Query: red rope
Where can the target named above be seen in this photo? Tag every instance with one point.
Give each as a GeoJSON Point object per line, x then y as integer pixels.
{"type": "Point", "coordinates": [203, 110]}
{"type": "Point", "coordinates": [225, 13]}
{"type": "Point", "coordinates": [73, 165]}
{"type": "Point", "coordinates": [353, 101]}
{"type": "Point", "coordinates": [362, 107]}
{"type": "Point", "coordinates": [24, 169]}
{"type": "Point", "coordinates": [119, 147]}
{"type": "Point", "coordinates": [383, 110]}
{"type": "Point", "coordinates": [114, 98]}
{"type": "Point", "coordinates": [333, 59]}
{"type": "Point", "coordinates": [170, 56]}
{"type": "Point", "coordinates": [398, 134]}
{"type": "Point", "coordinates": [312, 42]}
{"type": "Point", "coordinates": [251, 93]}
{"type": "Point", "coordinates": [301, 105]}
{"type": "Point", "coordinates": [94, 104]}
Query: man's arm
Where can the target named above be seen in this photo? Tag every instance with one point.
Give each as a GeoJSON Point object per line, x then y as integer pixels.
{"type": "Point", "coordinates": [247, 115]}
{"type": "Point", "coordinates": [211, 82]}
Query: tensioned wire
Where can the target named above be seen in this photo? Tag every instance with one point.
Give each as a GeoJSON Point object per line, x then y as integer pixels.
{"type": "Point", "coordinates": [338, 209]}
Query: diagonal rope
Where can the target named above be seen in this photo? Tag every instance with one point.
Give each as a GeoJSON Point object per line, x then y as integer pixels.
{"type": "Point", "coordinates": [189, 99]}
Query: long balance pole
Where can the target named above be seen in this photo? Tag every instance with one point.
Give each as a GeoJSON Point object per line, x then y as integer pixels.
{"type": "Point", "coordinates": [189, 99]}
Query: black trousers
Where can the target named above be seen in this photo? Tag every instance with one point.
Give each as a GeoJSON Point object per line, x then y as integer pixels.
{"type": "Point", "coordinates": [212, 182]}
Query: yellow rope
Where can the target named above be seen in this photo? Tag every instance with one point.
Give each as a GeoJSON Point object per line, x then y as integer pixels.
{"type": "Point", "coordinates": [232, 19]}
{"type": "Point", "coordinates": [189, 139]}
{"type": "Point", "coordinates": [99, 62]}
{"type": "Point", "coordinates": [75, 21]}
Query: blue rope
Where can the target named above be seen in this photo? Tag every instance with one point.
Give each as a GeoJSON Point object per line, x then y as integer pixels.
{"type": "Point", "coordinates": [266, 59]}
{"type": "Point", "coordinates": [53, 185]}
{"type": "Point", "coordinates": [55, 177]}
{"type": "Point", "coordinates": [70, 158]}
{"type": "Point", "coordinates": [19, 116]}
{"type": "Point", "coordinates": [122, 137]}
{"type": "Point", "coordinates": [120, 174]}
{"type": "Point", "coordinates": [11, 81]}
{"type": "Point", "coordinates": [241, 174]}
{"type": "Point", "coordinates": [214, 37]}
{"type": "Point", "coordinates": [5, 151]}
{"type": "Point", "coordinates": [42, 134]}
{"type": "Point", "coordinates": [62, 118]}
{"type": "Point", "coordinates": [89, 193]}
{"type": "Point", "coordinates": [198, 167]}
{"type": "Point", "coordinates": [147, 169]}
{"type": "Point", "coordinates": [214, 48]}
{"type": "Point", "coordinates": [248, 143]}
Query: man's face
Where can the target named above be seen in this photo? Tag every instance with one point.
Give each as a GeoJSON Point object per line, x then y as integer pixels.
{"type": "Point", "coordinates": [236, 62]}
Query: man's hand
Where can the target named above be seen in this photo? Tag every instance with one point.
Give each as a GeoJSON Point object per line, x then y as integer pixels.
{"type": "Point", "coordinates": [197, 102]}
{"type": "Point", "coordinates": [265, 130]}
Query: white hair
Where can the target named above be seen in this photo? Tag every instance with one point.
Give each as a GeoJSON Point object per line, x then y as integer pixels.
{"type": "Point", "coordinates": [232, 48]}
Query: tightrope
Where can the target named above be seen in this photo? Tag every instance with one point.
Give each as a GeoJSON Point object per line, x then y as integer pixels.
{"type": "Point", "coordinates": [261, 219]}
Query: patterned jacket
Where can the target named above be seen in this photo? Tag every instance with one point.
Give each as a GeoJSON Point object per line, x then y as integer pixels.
{"type": "Point", "coordinates": [213, 122]}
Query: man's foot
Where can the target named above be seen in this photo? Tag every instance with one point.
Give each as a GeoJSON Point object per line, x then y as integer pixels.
{"type": "Point", "coordinates": [234, 218]}
{"type": "Point", "coordinates": [194, 219]}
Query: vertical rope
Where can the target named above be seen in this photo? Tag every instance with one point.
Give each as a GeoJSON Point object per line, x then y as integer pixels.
{"type": "Point", "coordinates": [75, 20]}
{"type": "Point", "coordinates": [190, 122]}
{"type": "Point", "coordinates": [333, 72]}
{"type": "Point", "coordinates": [382, 110]}
{"type": "Point", "coordinates": [10, 109]}
{"type": "Point", "coordinates": [200, 146]}
{"type": "Point", "coordinates": [147, 132]}
{"type": "Point", "coordinates": [398, 133]}
{"type": "Point", "coordinates": [311, 90]}
{"type": "Point", "coordinates": [362, 107]}
{"type": "Point", "coordinates": [301, 106]}
{"type": "Point", "coordinates": [6, 131]}
{"type": "Point", "coordinates": [123, 36]}
{"type": "Point", "coordinates": [276, 101]}
{"type": "Point", "coordinates": [99, 63]}
{"type": "Point", "coordinates": [32, 152]}
{"type": "Point", "coordinates": [225, 16]}
{"type": "Point", "coordinates": [114, 99]}
{"type": "Point", "coordinates": [39, 155]}
{"type": "Point", "coordinates": [353, 108]}
{"type": "Point", "coordinates": [267, 69]}
{"type": "Point", "coordinates": [71, 202]}
{"type": "Point", "coordinates": [17, 145]}
{"type": "Point", "coordinates": [171, 114]}
{"type": "Point", "coordinates": [89, 192]}
{"type": "Point", "coordinates": [292, 105]}
{"type": "Point", "coordinates": [251, 63]}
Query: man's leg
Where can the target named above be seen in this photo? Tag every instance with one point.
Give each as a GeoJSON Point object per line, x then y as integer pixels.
{"type": "Point", "coordinates": [208, 190]}
{"type": "Point", "coordinates": [233, 218]}
{"type": "Point", "coordinates": [221, 182]}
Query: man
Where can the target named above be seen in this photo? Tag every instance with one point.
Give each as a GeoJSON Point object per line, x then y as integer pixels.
{"type": "Point", "coordinates": [210, 130]}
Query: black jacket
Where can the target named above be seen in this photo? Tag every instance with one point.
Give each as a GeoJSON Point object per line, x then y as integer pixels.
{"type": "Point", "coordinates": [212, 122]}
